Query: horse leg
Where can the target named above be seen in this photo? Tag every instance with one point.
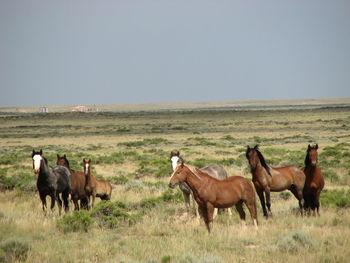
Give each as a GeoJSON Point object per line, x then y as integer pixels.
{"type": "Point", "coordinates": [196, 208]}
{"type": "Point", "coordinates": [43, 202]}
{"type": "Point", "coordinates": [268, 201]}
{"type": "Point", "coordinates": [215, 212]}
{"type": "Point", "coordinates": [209, 220]}
{"type": "Point", "coordinates": [187, 201]}
{"type": "Point", "coordinates": [250, 203]}
{"type": "Point", "coordinates": [59, 201]}
{"type": "Point", "coordinates": [298, 193]}
{"type": "Point", "coordinates": [239, 208]}
{"type": "Point", "coordinates": [229, 212]}
{"type": "Point", "coordinates": [65, 196]}
{"type": "Point", "coordinates": [262, 201]}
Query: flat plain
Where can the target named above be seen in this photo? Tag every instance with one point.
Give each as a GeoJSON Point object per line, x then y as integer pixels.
{"type": "Point", "coordinates": [147, 222]}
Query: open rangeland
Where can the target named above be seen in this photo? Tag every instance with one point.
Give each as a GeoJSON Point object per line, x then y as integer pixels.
{"type": "Point", "coordinates": [145, 221]}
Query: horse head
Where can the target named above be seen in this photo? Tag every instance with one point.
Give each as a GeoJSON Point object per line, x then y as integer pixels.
{"type": "Point", "coordinates": [175, 159]}
{"type": "Point", "coordinates": [178, 176]}
{"type": "Point", "coordinates": [86, 166]}
{"type": "Point", "coordinates": [311, 156]}
{"type": "Point", "coordinates": [62, 160]}
{"type": "Point", "coordinates": [37, 159]}
{"type": "Point", "coordinates": [255, 157]}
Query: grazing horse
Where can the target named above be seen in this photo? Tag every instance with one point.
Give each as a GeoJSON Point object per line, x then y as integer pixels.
{"type": "Point", "coordinates": [51, 181]}
{"type": "Point", "coordinates": [103, 189]}
{"type": "Point", "coordinates": [90, 182]}
{"type": "Point", "coordinates": [78, 184]}
{"type": "Point", "coordinates": [267, 179]}
{"type": "Point", "coordinates": [211, 193]}
{"type": "Point", "coordinates": [213, 170]}
{"type": "Point", "coordinates": [314, 182]}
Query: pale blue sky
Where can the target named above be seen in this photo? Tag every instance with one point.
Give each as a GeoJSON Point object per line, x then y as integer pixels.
{"type": "Point", "coordinates": [101, 52]}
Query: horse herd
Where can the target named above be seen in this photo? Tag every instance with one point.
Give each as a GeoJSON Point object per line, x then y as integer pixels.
{"type": "Point", "coordinates": [209, 187]}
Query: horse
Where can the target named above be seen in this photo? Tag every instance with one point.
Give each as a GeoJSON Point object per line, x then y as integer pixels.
{"type": "Point", "coordinates": [90, 182]}
{"type": "Point", "coordinates": [78, 184]}
{"type": "Point", "coordinates": [103, 190]}
{"type": "Point", "coordinates": [213, 170]}
{"type": "Point", "coordinates": [211, 193]}
{"type": "Point", "coordinates": [267, 179]}
{"type": "Point", "coordinates": [314, 182]}
{"type": "Point", "coordinates": [51, 181]}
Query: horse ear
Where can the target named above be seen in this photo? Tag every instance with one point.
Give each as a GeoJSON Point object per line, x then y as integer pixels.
{"type": "Point", "coordinates": [316, 146]}
{"type": "Point", "coordinates": [64, 156]}
{"type": "Point", "coordinates": [256, 147]}
{"type": "Point", "coordinates": [89, 161]}
{"type": "Point", "coordinates": [41, 152]}
{"type": "Point", "coordinates": [33, 152]}
{"type": "Point", "coordinates": [58, 156]}
{"type": "Point", "coordinates": [178, 153]}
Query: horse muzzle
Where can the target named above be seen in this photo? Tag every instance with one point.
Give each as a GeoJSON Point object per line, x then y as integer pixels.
{"type": "Point", "coordinates": [36, 171]}
{"type": "Point", "coordinates": [172, 184]}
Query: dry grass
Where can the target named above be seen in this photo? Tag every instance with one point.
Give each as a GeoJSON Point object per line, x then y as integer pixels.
{"type": "Point", "coordinates": [167, 233]}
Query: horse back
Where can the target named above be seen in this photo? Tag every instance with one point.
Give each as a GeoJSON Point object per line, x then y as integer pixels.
{"type": "Point", "coordinates": [103, 187]}
{"type": "Point", "coordinates": [214, 170]}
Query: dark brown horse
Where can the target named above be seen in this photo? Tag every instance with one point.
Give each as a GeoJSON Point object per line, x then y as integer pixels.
{"type": "Point", "coordinates": [314, 182]}
{"type": "Point", "coordinates": [212, 169]}
{"type": "Point", "coordinates": [211, 193]}
{"type": "Point", "coordinates": [90, 182]}
{"type": "Point", "coordinates": [52, 181]}
{"type": "Point", "coordinates": [78, 184]}
{"type": "Point", "coordinates": [267, 179]}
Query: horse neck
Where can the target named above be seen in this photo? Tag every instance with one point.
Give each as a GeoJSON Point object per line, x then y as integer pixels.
{"type": "Point", "coordinates": [45, 170]}
{"type": "Point", "coordinates": [259, 171]}
{"type": "Point", "coordinates": [194, 182]}
{"type": "Point", "coordinates": [88, 178]}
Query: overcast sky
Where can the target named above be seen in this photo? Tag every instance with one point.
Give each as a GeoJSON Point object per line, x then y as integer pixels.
{"type": "Point", "coordinates": [111, 51]}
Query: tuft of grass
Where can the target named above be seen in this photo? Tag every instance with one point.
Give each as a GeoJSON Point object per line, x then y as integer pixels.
{"type": "Point", "coordinates": [14, 250]}
{"type": "Point", "coordinates": [79, 221]}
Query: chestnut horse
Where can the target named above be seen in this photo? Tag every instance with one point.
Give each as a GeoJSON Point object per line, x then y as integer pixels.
{"type": "Point", "coordinates": [212, 169]}
{"type": "Point", "coordinates": [78, 184]}
{"type": "Point", "coordinates": [51, 181]}
{"type": "Point", "coordinates": [267, 179]}
{"type": "Point", "coordinates": [314, 182]}
{"type": "Point", "coordinates": [211, 193]}
{"type": "Point", "coordinates": [90, 182]}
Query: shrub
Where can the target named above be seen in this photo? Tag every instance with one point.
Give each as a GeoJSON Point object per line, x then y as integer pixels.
{"type": "Point", "coordinates": [14, 249]}
{"type": "Point", "coordinates": [294, 241]}
{"type": "Point", "coordinates": [331, 175]}
{"type": "Point", "coordinates": [122, 179]}
{"type": "Point", "coordinates": [285, 195]}
{"type": "Point", "coordinates": [338, 198]}
{"type": "Point", "coordinates": [19, 180]}
{"type": "Point", "coordinates": [79, 221]}
{"type": "Point", "coordinates": [112, 214]}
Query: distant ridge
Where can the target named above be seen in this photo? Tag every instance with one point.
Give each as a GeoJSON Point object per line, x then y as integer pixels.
{"type": "Point", "coordinates": [189, 105]}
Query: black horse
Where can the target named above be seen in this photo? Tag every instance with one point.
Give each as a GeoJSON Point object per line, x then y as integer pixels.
{"type": "Point", "coordinates": [52, 181]}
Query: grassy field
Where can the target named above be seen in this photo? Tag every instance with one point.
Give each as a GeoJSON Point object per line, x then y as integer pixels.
{"type": "Point", "coordinates": [147, 222]}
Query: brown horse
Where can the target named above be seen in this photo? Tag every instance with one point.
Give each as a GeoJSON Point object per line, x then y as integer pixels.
{"type": "Point", "coordinates": [314, 182]}
{"type": "Point", "coordinates": [214, 170]}
{"type": "Point", "coordinates": [267, 179]}
{"type": "Point", "coordinates": [78, 184]}
{"type": "Point", "coordinates": [211, 193]}
{"type": "Point", "coordinates": [103, 189]}
{"type": "Point", "coordinates": [90, 182]}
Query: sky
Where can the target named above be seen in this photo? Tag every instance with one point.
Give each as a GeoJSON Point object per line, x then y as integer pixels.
{"type": "Point", "coordinates": [127, 51]}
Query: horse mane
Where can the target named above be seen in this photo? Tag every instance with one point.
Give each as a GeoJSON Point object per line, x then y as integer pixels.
{"type": "Point", "coordinates": [263, 162]}
{"type": "Point", "coordinates": [194, 170]}
{"type": "Point", "coordinates": [307, 158]}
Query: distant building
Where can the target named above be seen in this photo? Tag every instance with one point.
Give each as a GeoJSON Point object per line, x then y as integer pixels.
{"type": "Point", "coordinates": [44, 110]}
{"type": "Point", "coordinates": [84, 109]}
